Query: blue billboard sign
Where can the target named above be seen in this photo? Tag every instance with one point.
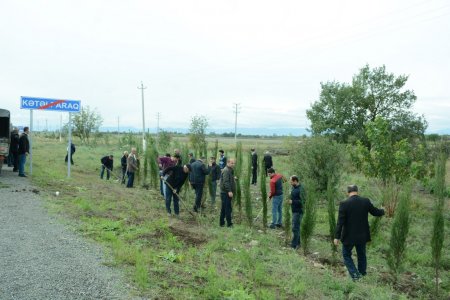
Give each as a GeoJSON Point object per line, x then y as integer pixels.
{"type": "Point", "coordinates": [50, 104]}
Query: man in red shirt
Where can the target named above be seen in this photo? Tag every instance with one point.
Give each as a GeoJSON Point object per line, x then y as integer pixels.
{"type": "Point", "coordinates": [276, 194]}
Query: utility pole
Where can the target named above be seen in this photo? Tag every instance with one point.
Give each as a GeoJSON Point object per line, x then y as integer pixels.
{"type": "Point", "coordinates": [158, 115]}
{"type": "Point", "coordinates": [118, 127]}
{"type": "Point", "coordinates": [60, 128]}
{"type": "Point", "coordinates": [142, 88]}
{"type": "Point", "coordinates": [237, 106]}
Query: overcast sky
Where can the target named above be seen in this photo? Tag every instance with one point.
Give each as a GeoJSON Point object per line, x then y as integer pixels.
{"type": "Point", "coordinates": [201, 57]}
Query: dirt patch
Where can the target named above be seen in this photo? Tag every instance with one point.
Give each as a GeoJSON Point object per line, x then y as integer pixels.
{"type": "Point", "coordinates": [188, 237]}
{"type": "Point", "coordinates": [408, 283]}
{"type": "Point", "coordinates": [151, 236]}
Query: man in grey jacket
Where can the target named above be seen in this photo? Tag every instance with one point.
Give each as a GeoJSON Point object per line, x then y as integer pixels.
{"type": "Point", "coordinates": [227, 190]}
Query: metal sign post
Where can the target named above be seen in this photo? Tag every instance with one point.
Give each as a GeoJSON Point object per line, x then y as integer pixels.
{"type": "Point", "coordinates": [30, 138]}
{"type": "Point", "coordinates": [70, 106]}
{"type": "Point", "coordinates": [69, 147]}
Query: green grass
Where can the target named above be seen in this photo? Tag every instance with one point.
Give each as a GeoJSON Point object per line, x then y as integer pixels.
{"type": "Point", "coordinates": [180, 259]}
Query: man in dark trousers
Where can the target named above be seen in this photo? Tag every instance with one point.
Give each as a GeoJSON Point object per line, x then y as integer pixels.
{"type": "Point", "coordinates": [107, 163]}
{"type": "Point", "coordinates": [254, 166]}
{"type": "Point", "coordinates": [297, 202]}
{"type": "Point", "coordinates": [24, 150]}
{"type": "Point", "coordinates": [14, 149]}
{"type": "Point", "coordinates": [353, 230]}
{"type": "Point", "coordinates": [177, 176]}
{"type": "Point", "coordinates": [197, 179]}
{"type": "Point", "coordinates": [215, 176]}
{"type": "Point", "coordinates": [72, 151]}
{"type": "Point", "coordinates": [227, 191]}
{"type": "Point", "coordinates": [123, 163]}
{"type": "Point", "coordinates": [267, 159]}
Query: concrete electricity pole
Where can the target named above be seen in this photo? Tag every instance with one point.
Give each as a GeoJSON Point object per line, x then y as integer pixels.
{"type": "Point", "coordinates": [142, 88]}
{"type": "Point", "coordinates": [118, 127]}
{"type": "Point", "coordinates": [237, 106]}
{"type": "Point", "coordinates": [158, 115]}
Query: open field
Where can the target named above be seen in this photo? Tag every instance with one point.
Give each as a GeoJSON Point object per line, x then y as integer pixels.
{"type": "Point", "coordinates": [167, 258]}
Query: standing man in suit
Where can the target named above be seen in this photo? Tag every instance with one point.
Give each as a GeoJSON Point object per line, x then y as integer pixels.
{"type": "Point", "coordinates": [353, 230]}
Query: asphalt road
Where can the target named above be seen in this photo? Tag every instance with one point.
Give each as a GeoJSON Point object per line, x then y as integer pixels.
{"type": "Point", "coordinates": [40, 258]}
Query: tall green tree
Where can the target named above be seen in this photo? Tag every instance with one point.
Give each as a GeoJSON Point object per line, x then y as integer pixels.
{"type": "Point", "coordinates": [343, 110]}
{"type": "Point", "coordinates": [197, 134]}
{"type": "Point", "coordinates": [85, 123]}
{"type": "Point", "coordinates": [388, 160]}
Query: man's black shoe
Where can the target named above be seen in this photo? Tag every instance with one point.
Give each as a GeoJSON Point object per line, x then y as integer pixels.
{"type": "Point", "coordinates": [279, 226]}
{"type": "Point", "coordinates": [22, 175]}
{"type": "Point", "coordinates": [272, 226]}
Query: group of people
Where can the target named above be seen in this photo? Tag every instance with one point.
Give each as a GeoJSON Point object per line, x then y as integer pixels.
{"type": "Point", "coordinates": [19, 149]}
{"type": "Point", "coordinates": [352, 228]}
{"type": "Point", "coordinates": [174, 174]}
{"type": "Point", "coordinates": [129, 165]}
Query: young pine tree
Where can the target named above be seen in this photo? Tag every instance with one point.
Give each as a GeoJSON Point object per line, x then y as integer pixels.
{"type": "Point", "coordinates": [309, 215]}
{"type": "Point", "coordinates": [238, 173]}
{"type": "Point", "coordinates": [437, 236]}
{"type": "Point", "coordinates": [263, 188]}
{"type": "Point", "coordinates": [399, 233]}
{"type": "Point", "coordinates": [331, 208]}
{"type": "Point", "coordinates": [247, 194]}
{"type": "Point", "coordinates": [287, 214]}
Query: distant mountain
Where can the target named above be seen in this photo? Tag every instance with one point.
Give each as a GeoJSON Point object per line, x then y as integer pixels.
{"type": "Point", "coordinates": [441, 131]}
{"type": "Point", "coordinates": [283, 131]}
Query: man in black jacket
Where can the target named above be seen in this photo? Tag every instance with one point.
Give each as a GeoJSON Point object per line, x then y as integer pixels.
{"type": "Point", "coordinates": [14, 149]}
{"type": "Point", "coordinates": [174, 182]}
{"type": "Point", "coordinates": [267, 159]}
{"type": "Point", "coordinates": [24, 150]}
{"type": "Point", "coordinates": [72, 151]}
{"type": "Point", "coordinates": [353, 230]}
{"type": "Point", "coordinates": [215, 176]}
{"type": "Point", "coordinates": [107, 163]}
{"type": "Point", "coordinates": [227, 191]}
{"type": "Point", "coordinates": [197, 179]}
{"type": "Point", "coordinates": [297, 202]}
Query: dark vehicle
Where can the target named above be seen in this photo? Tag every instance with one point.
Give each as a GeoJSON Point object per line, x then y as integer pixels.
{"type": "Point", "coordinates": [5, 131]}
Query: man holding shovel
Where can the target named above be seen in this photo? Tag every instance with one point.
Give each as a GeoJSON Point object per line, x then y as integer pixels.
{"type": "Point", "coordinates": [174, 182]}
{"type": "Point", "coordinates": [107, 163]}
